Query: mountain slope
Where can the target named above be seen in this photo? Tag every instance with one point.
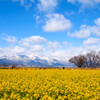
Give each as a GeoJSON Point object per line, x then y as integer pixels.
{"type": "Point", "coordinates": [26, 61]}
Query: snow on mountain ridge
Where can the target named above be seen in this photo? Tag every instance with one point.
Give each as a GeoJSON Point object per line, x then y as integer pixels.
{"type": "Point", "coordinates": [25, 60]}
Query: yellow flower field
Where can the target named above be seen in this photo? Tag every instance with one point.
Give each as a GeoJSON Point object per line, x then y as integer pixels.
{"type": "Point", "coordinates": [49, 84]}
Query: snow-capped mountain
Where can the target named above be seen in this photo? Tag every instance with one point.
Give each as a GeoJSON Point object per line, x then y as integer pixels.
{"type": "Point", "coordinates": [26, 61]}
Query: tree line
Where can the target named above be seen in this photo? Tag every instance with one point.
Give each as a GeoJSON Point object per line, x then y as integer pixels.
{"type": "Point", "coordinates": [89, 60]}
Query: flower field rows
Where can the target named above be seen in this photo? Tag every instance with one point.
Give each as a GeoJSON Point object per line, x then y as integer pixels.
{"type": "Point", "coordinates": [49, 84]}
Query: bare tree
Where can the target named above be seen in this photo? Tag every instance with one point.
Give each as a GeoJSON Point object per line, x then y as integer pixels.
{"type": "Point", "coordinates": [98, 59]}
{"type": "Point", "coordinates": [79, 61]}
{"type": "Point", "coordinates": [91, 60]}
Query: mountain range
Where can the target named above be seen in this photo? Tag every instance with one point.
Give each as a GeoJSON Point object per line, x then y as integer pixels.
{"type": "Point", "coordinates": [22, 60]}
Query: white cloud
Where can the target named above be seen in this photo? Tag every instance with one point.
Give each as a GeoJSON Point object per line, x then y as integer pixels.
{"type": "Point", "coordinates": [66, 54]}
{"type": "Point", "coordinates": [57, 23]}
{"type": "Point", "coordinates": [72, 1]}
{"type": "Point", "coordinates": [34, 45]}
{"type": "Point", "coordinates": [97, 21]}
{"type": "Point", "coordinates": [53, 45]}
{"type": "Point", "coordinates": [10, 51]}
{"type": "Point", "coordinates": [11, 39]}
{"type": "Point", "coordinates": [40, 47]}
{"type": "Point", "coordinates": [66, 44]}
{"type": "Point", "coordinates": [37, 48]}
{"type": "Point", "coordinates": [42, 5]}
{"type": "Point", "coordinates": [22, 2]}
{"type": "Point", "coordinates": [29, 41]}
{"type": "Point", "coordinates": [25, 3]}
{"type": "Point", "coordinates": [17, 50]}
{"type": "Point", "coordinates": [86, 3]}
{"type": "Point", "coordinates": [70, 13]}
{"type": "Point", "coordinates": [91, 41]}
{"type": "Point", "coordinates": [95, 30]}
{"type": "Point", "coordinates": [37, 19]}
{"type": "Point", "coordinates": [86, 31]}
{"type": "Point", "coordinates": [47, 5]}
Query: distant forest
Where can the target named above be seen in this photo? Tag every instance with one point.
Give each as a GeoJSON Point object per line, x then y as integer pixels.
{"type": "Point", "coordinates": [90, 60]}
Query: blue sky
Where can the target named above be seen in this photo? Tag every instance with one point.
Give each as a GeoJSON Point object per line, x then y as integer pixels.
{"type": "Point", "coordinates": [49, 28]}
